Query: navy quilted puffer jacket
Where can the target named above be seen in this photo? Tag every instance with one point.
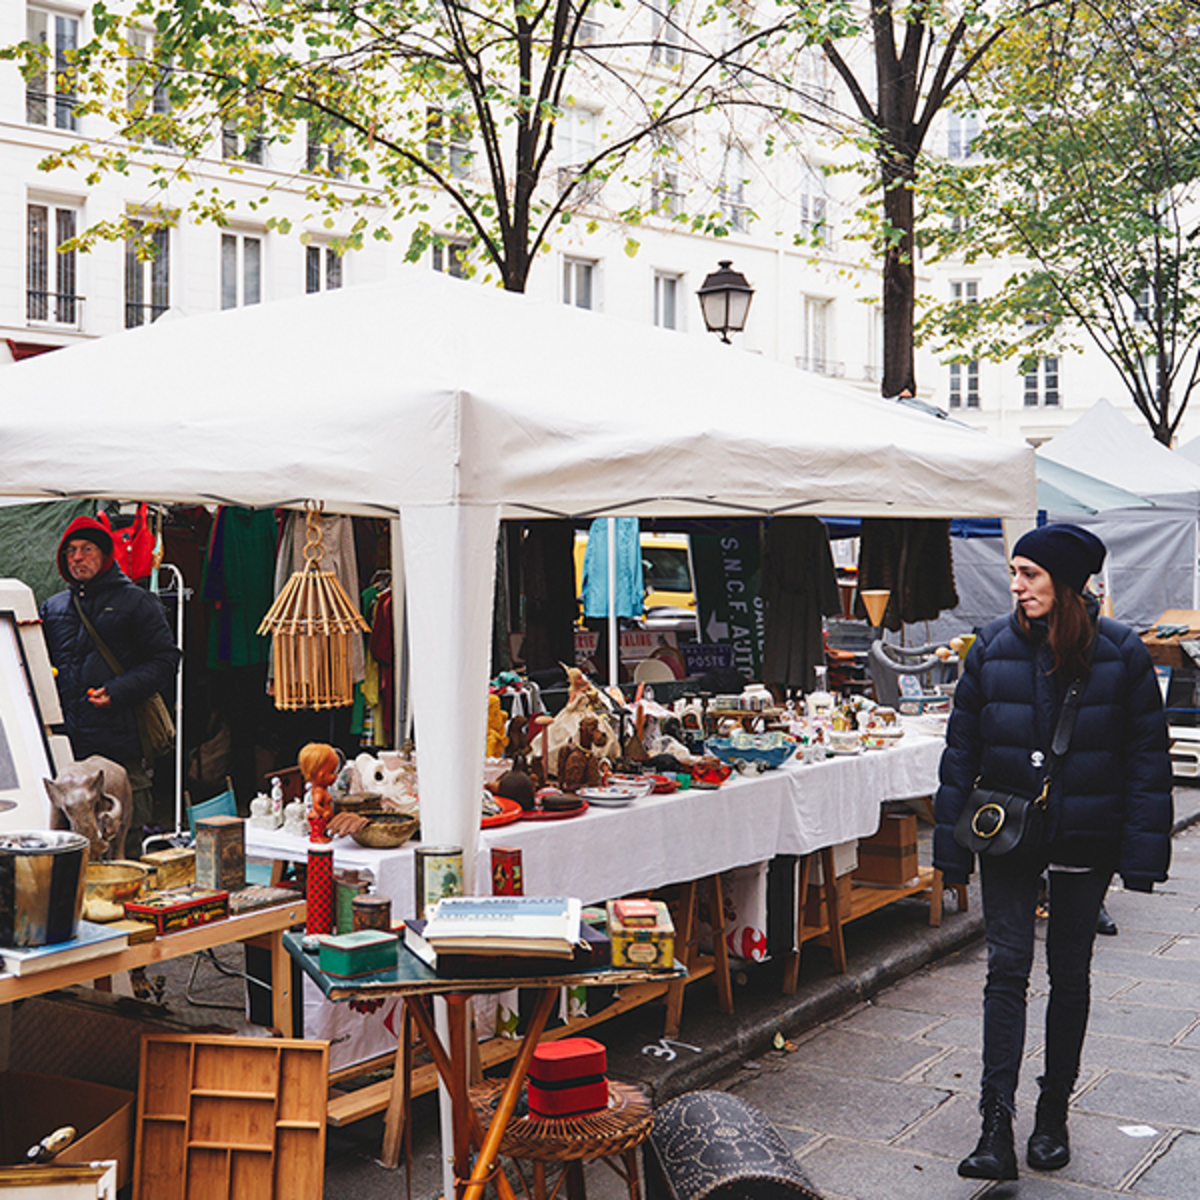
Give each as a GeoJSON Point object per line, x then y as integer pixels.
{"type": "Point", "coordinates": [134, 627]}
{"type": "Point", "coordinates": [1110, 804]}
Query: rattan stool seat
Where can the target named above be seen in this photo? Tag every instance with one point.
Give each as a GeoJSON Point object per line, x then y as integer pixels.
{"type": "Point", "coordinates": [615, 1131]}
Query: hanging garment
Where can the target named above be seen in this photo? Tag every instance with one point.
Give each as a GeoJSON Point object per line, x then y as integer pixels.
{"type": "Point", "coordinates": [799, 588]}
{"type": "Point", "coordinates": [133, 545]}
{"type": "Point", "coordinates": [631, 590]}
{"type": "Point", "coordinates": [548, 572]}
{"type": "Point", "coordinates": [239, 585]}
{"type": "Point", "coordinates": [912, 559]}
{"type": "Point", "coordinates": [382, 647]}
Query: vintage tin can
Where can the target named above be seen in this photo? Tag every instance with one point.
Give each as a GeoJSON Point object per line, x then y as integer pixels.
{"type": "Point", "coordinates": [319, 891]}
{"type": "Point", "coordinates": [349, 888]}
{"type": "Point", "coordinates": [372, 912]}
{"type": "Point", "coordinates": [221, 853]}
{"type": "Point", "coordinates": [642, 934]}
{"type": "Point", "coordinates": [173, 911]}
{"type": "Point", "coordinates": [506, 871]}
{"type": "Point", "coordinates": [439, 872]}
{"type": "Point", "coordinates": [173, 868]}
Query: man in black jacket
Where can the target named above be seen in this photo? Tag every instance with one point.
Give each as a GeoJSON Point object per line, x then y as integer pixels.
{"type": "Point", "coordinates": [100, 703]}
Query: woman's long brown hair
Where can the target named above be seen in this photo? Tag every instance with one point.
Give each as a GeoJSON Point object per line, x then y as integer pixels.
{"type": "Point", "coordinates": [1069, 633]}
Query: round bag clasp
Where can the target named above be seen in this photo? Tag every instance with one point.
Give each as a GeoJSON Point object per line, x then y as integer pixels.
{"type": "Point", "coordinates": [988, 820]}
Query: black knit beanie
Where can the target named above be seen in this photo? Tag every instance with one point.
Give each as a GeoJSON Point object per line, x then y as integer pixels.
{"type": "Point", "coordinates": [1071, 554]}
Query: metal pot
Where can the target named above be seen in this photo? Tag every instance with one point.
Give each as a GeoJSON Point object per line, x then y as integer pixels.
{"type": "Point", "coordinates": [42, 874]}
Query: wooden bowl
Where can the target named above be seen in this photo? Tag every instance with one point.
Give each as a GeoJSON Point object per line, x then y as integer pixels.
{"type": "Point", "coordinates": [108, 885]}
{"type": "Point", "coordinates": [386, 831]}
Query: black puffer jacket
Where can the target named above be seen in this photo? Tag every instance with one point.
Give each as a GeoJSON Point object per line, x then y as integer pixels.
{"type": "Point", "coordinates": [134, 627]}
{"type": "Point", "coordinates": [1110, 804]}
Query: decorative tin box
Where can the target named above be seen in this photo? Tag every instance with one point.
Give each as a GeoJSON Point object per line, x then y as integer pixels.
{"type": "Point", "coordinates": [641, 938]}
{"type": "Point", "coordinates": [567, 1078]}
{"type": "Point", "coordinates": [346, 955]}
{"type": "Point", "coordinates": [221, 853]}
{"type": "Point", "coordinates": [172, 911]}
{"type": "Point", "coordinates": [174, 868]}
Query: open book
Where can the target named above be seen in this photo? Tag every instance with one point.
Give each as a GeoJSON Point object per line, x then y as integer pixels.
{"type": "Point", "coordinates": [508, 925]}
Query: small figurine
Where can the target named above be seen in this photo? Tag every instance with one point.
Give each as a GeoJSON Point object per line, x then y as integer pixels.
{"type": "Point", "coordinates": [319, 764]}
{"type": "Point", "coordinates": [262, 815]}
{"type": "Point", "coordinates": [294, 821]}
{"type": "Point", "coordinates": [497, 734]}
{"type": "Point", "coordinates": [277, 800]}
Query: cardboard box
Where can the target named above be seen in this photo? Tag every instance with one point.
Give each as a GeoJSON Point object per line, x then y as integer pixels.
{"type": "Point", "coordinates": [889, 856]}
{"type": "Point", "coordinates": [814, 904]}
{"type": "Point", "coordinates": [31, 1106]}
{"type": "Point", "coordinates": [845, 859]}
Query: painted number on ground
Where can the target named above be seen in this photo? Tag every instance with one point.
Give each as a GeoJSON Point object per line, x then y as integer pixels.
{"type": "Point", "coordinates": [666, 1049]}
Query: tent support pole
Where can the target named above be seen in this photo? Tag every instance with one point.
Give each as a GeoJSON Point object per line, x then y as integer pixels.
{"type": "Point", "coordinates": [613, 637]}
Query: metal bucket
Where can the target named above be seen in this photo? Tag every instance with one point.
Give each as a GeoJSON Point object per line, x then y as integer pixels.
{"type": "Point", "coordinates": [42, 877]}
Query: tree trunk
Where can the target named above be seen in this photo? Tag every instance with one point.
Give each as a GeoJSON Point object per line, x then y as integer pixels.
{"type": "Point", "coordinates": [899, 281]}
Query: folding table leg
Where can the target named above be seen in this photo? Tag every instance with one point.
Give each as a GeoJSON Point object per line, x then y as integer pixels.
{"type": "Point", "coordinates": [720, 948]}
{"type": "Point", "coordinates": [684, 950]}
{"type": "Point", "coordinates": [396, 1121]}
{"type": "Point", "coordinates": [834, 909]}
{"type": "Point", "coordinates": [791, 974]}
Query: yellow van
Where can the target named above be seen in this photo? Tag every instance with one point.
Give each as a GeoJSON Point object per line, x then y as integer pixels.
{"type": "Point", "coordinates": [666, 574]}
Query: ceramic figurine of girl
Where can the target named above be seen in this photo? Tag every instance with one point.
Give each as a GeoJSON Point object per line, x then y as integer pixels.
{"type": "Point", "coordinates": [319, 764]}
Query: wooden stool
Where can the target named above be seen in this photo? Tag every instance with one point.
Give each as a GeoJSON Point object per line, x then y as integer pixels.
{"type": "Point", "coordinates": [613, 1133]}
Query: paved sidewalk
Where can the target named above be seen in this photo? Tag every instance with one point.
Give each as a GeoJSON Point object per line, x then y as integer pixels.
{"type": "Point", "coordinates": [877, 1084]}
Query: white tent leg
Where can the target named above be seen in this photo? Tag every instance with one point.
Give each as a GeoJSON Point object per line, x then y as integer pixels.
{"type": "Point", "coordinates": [451, 551]}
{"type": "Point", "coordinates": [614, 647]}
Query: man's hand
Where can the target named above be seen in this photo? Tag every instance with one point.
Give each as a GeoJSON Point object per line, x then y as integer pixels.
{"type": "Point", "coordinates": [99, 697]}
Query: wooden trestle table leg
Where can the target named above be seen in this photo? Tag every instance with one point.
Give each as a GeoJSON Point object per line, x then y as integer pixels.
{"type": "Point", "coordinates": [720, 948]}
{"type": "Point", "coordinates": [396, 1120]}
{"type": "Point", "coordinates": [834, 909]}
{"type": "Point", "coordinates": [684, 950]}
{"type": "Point", "coordinates": [791, 974]}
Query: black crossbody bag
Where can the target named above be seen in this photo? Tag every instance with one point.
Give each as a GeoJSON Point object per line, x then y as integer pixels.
{"type": "Point", "coordinates": [1010, 825]}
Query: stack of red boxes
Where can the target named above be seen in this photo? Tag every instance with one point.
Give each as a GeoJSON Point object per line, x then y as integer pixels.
{"type": "Point", "coordinates": [568, 1078]}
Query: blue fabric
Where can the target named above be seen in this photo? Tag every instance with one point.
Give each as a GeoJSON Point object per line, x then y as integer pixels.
{"type": "Point", "coordinates": [1009, 904]}
{"type": "Point", "coordinates": [1110, 805]}
{"type": "Point", "coordinates": [631, 591]}
{"type": "Point", "coordinates": [134, 627]}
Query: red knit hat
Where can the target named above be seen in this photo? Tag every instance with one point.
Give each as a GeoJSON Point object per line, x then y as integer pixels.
{"type": "Point", "coordinates": [93, 531]}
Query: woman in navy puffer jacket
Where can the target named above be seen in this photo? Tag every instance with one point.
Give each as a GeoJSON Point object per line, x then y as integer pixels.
{"type": "Point", "coordinates": [1109, 810]}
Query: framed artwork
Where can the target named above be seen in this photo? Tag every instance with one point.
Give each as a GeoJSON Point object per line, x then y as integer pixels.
{"type": "Point", "coordinates": [24, 752]}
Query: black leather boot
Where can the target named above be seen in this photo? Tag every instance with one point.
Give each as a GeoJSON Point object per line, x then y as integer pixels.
{"type": "Point", "coordinates": [1048, 1148]}
{"type": "Point", "coordinates": [995, 1156]}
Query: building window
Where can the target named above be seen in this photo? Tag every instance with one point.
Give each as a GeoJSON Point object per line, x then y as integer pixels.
{"type": "Point", "coordinates": [147, 92]}
{"type": "Point", "coordinates": [241, 270]}
{"type": "Point", "coordinates": [961, 131]}
{"type": "Point", "coordinates": [589, 32]}
{"type": "Point", "coordinates": [248, 144]}
{"type": "Point", "coordinates": [816, 357]}
{"type": "Point", "coordinates": [51, 277]}
{"type": "Point", "coordinates": [322, 269]}
{"type": "Point", "coordinates": [666, 37]}
{"type": "Point", "coordinates": [964, 384]}
{"type": "Point", "coordinates": [448, 133]}
{"type": "Point", "coordinates": [579, 276]}
{"type": "Point", "coordinates": [668, 291]}
{"type": "Point", "coordinates": [814, 208]}
{"type": "Point", "coordinates": [1041, 384]}
{"type": "Point", "coordinates": [575, 142]}
{"type": "Point", "coordinates": [964, 291]}
{"type": "Point", "coordinates": [666, 197]}
{"type": "Point", "coordinates": [50, 96]}
{"type": "Point", "coordinates": [147, 279]}
{"type": "Point", "coordinates": [325, 148]}
{"type": "Point", "coordinates": [450, 258]}
{"type": "Point", "coordinates": [733, 190]}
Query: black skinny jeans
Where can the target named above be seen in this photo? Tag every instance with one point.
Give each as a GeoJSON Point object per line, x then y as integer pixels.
{"type": "Point", "coordinates": [1009, 904]}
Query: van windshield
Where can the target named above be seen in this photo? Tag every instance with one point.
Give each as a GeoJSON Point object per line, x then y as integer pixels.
{"type": "Point", "coordinates": [665, 569]}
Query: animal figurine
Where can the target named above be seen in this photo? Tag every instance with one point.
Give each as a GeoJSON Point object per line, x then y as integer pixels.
{"type": "Point", "coordinates": [497, 734]}
{"type": "Point", "coordinates": [262, 814]}
{"type": "Point", "coordinates": [394, 784]}
{"type": "Point", "coordinates": [93, 798]}
{"type": "Point", "coordinates": [583, 701]}
{"type": "Point", "coordinates": [319, 764]}
{"type": "Point", "coordinates": [294, 821]}
{"type": "Point", "coordinates": [578, 764]}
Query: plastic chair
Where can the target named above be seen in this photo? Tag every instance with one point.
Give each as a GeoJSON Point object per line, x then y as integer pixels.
{"type": "Point", "coordinates": [224, 804]}
{"type": "Point", "coordinates": [887, 662]}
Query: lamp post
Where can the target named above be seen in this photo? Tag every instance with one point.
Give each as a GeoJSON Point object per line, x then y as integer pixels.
{"type": "Point", "coordinates": [725, 297]}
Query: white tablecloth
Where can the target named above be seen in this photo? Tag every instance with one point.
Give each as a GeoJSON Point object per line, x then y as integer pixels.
{"type": "Point", "coordinates": [661, 840]}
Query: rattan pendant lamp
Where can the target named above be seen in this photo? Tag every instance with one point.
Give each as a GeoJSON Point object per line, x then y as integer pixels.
{"type": "Point", "coordinates": [311, 624]}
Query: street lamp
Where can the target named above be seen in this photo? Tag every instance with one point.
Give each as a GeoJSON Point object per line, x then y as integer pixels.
{"type": "Point", "coordinates": [725, 297]}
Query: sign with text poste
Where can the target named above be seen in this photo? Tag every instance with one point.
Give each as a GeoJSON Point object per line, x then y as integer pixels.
{"type": "Point", "coordinates": [728, 570]}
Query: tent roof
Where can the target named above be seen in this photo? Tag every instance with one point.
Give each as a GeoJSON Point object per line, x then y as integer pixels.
{"type": "Point", "coordinates": [426, 390]}
{"type": "Point", "coordinates": [1107, 445]}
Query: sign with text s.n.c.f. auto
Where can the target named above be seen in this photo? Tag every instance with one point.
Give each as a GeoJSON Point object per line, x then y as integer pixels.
{"type": "Point", "coordinates": [728, 571]}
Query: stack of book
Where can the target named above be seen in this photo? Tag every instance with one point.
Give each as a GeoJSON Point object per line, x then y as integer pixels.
{"type": "Point", "coordinates": [473, 936]}
{"type": "Point", "coordinates": [90, 941]}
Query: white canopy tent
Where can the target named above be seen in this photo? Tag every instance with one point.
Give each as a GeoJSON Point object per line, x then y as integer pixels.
{"type": "Point", "coordinates": [454, 405]}
{"type": "Point", "coordinates": [1154, 553]}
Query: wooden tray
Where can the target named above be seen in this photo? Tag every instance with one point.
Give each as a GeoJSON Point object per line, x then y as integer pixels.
{"type": "Point", "coordinates": [222, 1117]}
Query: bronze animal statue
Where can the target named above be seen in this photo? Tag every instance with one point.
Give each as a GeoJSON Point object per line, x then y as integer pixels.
{"type": "Point", "coordinates": [93, 798]}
